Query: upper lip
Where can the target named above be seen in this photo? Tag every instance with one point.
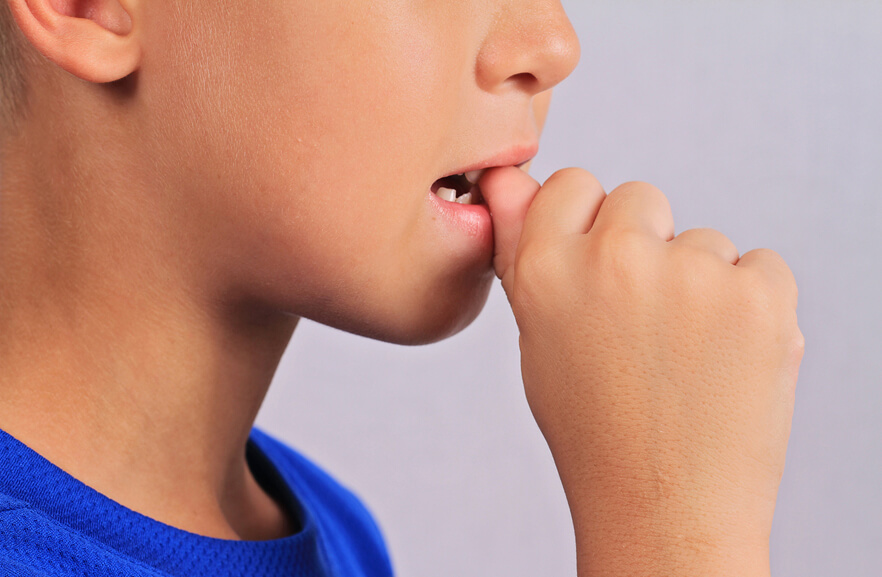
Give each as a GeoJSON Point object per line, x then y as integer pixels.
{"type": "Point", "coordinates": [513, 156]}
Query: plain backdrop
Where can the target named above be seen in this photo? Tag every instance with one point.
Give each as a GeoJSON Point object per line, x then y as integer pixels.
{"type": "Point", "coordinates": [762, 119]}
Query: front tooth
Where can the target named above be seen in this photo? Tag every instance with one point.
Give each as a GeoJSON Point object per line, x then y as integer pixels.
{"type": "Point", "coordinates": [465, 199]}
{"type": "Point", "coordinates": [474, 176]}
{"type": "Point", "coordinates": [448, 194]}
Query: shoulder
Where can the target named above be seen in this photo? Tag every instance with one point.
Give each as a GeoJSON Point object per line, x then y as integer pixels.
{"type": "Point", "coordinates": [12, 568]}
{"type": "Point", "coordinates": [11, 561]}
{"type": "Point", "coordinates": [346, 524]}
{"type": "Point", "coordinates": [33, 545]}
{"type": "Point", "coordinates": [304, 475]}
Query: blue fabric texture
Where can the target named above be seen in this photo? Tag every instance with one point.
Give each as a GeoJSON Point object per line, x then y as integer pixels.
{"type": "Point", "coordinates": [53, 525]}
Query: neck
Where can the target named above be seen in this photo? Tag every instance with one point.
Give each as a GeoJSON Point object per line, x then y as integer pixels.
{"type": "Point", "coordinates": [122, 363]}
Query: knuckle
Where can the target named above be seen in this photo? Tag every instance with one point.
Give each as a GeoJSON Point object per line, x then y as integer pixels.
{"type": "Point", "coordinates": [758, 293]}
{"type": "Point", "coordinates": [574, 173]}
{"type": "Point", "coordinates": [766, 310]}
{"type": "Point", "coordinates": [641, 203]}
{"type": "Point", "coordinates": [575, 178]}
{"type": "Point", "coordinates": [615, 244]}
{"type": "Point", "coordinates": [795, 337]}
{"type": "Point", "coordinates": [794, 354]}
{"type": "Point", "coordinates": [536, 271]}
{"type": "Point", "coordinates": [713, 235]}
{"type": "Point", "coordinates": [617, 256]}
{"type": "Point", "coordinates": [693, 262]}
{"type": "Point", "coordinates": [783, 282]}
{"type": "Point", "coordinates": [798, 344]}
{"type": "Point", "coordinates": [640, 191]}
{"type": "Point", "coordinates": [772, 260]}
{"type": "Point", "coordinates": [710, 239]}
{"type": "Point", "coordinates": [638, 187]}
{"type": "Point", "coordinates": [769, 255]}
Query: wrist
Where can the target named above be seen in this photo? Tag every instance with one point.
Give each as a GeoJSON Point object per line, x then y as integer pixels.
{"type": "Point", "coordinates": [631, 536]}
{"type": "Point", "coordinates": [678, 554]}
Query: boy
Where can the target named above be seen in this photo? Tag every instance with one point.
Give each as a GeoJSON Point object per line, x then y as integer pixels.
{"type": "Point", "coordinates": [181, 183]}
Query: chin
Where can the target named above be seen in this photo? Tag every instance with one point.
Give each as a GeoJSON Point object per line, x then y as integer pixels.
{"type": "Point", "coordinates": [436, 323]}
{"type": "Point", "coordinates": [418, 321]}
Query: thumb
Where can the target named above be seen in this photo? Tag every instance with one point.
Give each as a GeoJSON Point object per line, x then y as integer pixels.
{"type": "Point", "coordinates": [508, 193]}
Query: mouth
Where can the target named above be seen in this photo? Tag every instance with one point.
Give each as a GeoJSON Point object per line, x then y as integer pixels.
{"type": "Point", "coordinates": [460, 188]}
{"type": "Point", "coordinates": [463, 188]}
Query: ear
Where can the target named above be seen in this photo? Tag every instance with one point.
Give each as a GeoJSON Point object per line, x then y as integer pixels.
{"type": "Point", "coordinates": [91, 39]}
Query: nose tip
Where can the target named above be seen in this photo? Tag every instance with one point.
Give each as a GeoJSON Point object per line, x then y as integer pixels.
{"type": "Point", "coordinates": [533, 45]}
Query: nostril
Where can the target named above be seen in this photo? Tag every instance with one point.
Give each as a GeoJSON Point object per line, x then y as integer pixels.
{"type": "Point", "coordinates": [525, 79]}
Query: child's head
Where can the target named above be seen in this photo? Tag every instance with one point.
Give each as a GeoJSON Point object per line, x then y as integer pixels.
{"type": "Point", "coordinates": [281, 153]}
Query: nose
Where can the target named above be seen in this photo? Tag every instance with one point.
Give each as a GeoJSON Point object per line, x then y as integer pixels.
{"type": "Point", "coordinates": [532, 45]}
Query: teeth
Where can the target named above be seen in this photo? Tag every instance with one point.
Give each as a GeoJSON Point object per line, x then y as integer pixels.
{"type": "Point", "coordinates": [465, 199]}
{"type": "Point", "coordinates": [447, 194]}
{"type": "Point", "coordinates": [474, 175]}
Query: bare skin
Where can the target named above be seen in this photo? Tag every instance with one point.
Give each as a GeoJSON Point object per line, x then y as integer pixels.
{"type": "Point", "coordinates": [140, 307]}
{"type": "Point", "coordinates": [661, 369]}
{"type": "Point", "coordinates": [165, 221]}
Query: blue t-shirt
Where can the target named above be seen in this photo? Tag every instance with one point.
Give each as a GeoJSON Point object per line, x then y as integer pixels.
{"type": "Point", "coordinates": [53, 525]}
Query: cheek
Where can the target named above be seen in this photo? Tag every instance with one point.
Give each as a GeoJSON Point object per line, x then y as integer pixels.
{"type": "Point", "coordinates": [309, 161]}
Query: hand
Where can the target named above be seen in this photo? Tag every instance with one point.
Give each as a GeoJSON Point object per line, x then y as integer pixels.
{"type": "Point", "coordinates": [660, 368]}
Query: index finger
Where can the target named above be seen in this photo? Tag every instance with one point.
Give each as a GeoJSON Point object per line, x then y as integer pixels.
{"type": "Point", "coordinates": [637, 206]}
{"type": "Point", "coordinates": [566, 204]}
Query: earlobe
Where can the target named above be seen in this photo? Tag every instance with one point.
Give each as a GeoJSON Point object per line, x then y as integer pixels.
{"type": "Point", "coordinates": [92, 39]}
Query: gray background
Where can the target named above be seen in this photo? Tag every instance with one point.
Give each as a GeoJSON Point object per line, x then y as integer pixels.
{"type": "Point", "coordinates": [760, 119]}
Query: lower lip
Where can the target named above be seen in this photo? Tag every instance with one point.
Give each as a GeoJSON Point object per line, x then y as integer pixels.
{"type": "Point", "coordinates": [469, 220]}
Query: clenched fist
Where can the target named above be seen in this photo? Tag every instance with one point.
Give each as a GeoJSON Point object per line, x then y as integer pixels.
{"type": "Point", "coordinates": [660, 368]}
